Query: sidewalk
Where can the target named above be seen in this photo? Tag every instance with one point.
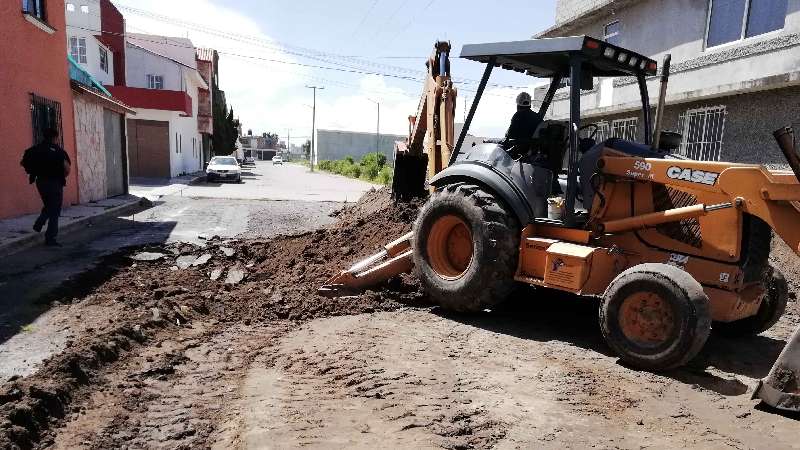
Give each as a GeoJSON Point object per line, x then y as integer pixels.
{"type": "Point", "coordinates": [17, 233]}
{"type": "Point", "coordinates": [155, 188]}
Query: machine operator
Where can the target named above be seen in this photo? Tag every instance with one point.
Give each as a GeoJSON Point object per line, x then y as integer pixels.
{"type": "Point", "coordinates": [524, 122]}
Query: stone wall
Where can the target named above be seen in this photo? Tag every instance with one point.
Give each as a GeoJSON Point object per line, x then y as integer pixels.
{"type": "Point", "coordinates": [90, 143]}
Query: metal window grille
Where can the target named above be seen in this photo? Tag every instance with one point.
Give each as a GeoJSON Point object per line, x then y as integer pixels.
{"type": "Point", "coordinates": [45, 114]}
{"type": "Point", "coordinates": [625, 128]}
{"type": "Point", "coordinates": [603, 131]}
{"type": "Point", "coordinates": [703, 130]}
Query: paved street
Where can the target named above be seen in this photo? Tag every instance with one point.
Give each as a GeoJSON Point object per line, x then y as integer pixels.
{"type": "Point", "coordinates": [268, 182]}
{"type": "Point", "coordinates": [272, 200]}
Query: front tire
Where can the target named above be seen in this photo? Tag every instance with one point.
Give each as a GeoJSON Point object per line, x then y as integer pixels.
{"type": "Point", "coordinates": [655, 316]}
{"type": "Point", "coordinates": [466, 244]}
{"type": "Point", "coordinates": [772, 308]}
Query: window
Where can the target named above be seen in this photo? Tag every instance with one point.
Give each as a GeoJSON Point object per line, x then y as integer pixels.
{"type": "Point", "coordinates": [732, 20]}
{"type": "Point", "coordinates": [35, 8]}
{"type": "Point", "coordinates": [702, 131]}
{"type": "Point", "coordinates": [77, 49]}
{"type": "Point", "coordinates": [85, 9]}
{"type": "Point", "coordinates": [612, 33]}
{"type": "Point", "coordinates": [155, 82]}
{"type": "Point", "coordinates": [45, 114]}
{"type": "Point", "coordinates": [104, 59]}
{"type": "Point", "coordinates": [70, 7]}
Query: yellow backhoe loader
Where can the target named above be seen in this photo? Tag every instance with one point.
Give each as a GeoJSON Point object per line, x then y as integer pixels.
{"type": "Point", "coordinates": [671, 246]}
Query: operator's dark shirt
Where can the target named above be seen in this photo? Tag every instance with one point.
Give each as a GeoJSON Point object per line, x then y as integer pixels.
{"type": "Point", "coordinates": [50, 159]}
{"type": "Point", "coordinates": [523, 124]}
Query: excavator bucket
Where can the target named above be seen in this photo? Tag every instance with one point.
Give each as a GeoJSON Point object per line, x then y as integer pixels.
{"type": "Point", "coordinates": [393, 259]}
{"type": "Point", "coordinates": [781, 388]}
{"type": "Point", "coordinates": [409, 175]}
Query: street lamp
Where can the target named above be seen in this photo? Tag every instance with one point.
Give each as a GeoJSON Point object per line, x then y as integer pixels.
{"type": "Point", "coordinates": [377, 131]}
{"type": "Point", "coordinates": [313, 123]}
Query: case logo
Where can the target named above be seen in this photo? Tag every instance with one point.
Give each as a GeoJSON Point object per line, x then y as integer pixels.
{"type": "Point", "coordinates": [692, 175]}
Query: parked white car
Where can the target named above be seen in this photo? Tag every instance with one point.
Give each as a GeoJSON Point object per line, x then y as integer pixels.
{"type": "Point", "coordinates": [277, 160]}
{"type": "Point", "coordinates": [224, 168]}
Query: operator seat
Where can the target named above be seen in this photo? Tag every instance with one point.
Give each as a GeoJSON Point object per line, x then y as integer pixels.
{"type": "Point", "coordinates": [588, 163]}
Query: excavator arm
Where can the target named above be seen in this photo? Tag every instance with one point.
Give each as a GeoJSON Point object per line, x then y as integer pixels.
{"type": "Point", "coordinates": [431, 136]}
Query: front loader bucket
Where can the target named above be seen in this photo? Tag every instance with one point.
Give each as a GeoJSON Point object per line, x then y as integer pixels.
{"type": "Point", "coordinates": [410, 172]}
{"type": "Point", "coordinates": [781, 388]}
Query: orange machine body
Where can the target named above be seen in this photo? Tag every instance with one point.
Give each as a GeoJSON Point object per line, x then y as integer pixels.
{"type": "Point", "coordinates": [656, 210]}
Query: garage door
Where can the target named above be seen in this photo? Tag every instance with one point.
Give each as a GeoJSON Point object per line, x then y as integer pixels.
{"type": "Point", "coordinates": [148, 147]}
{"type": "Point", "coordinates": [115, 168]}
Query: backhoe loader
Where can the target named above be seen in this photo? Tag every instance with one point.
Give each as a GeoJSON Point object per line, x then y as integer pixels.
{"type": "Point", "coordinates": [671, 246]}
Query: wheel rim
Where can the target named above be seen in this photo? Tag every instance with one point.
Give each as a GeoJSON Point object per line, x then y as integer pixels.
{"type": "Point", "coordinates": [450, 247]}
{"type": "Point", "coordinates": [646, 319]}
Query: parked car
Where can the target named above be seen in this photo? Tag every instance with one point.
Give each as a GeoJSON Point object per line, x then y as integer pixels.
{"type": "Point", "coordinates": [277, 160]}
{"type": "Point", "coordinates": [224, 168]}
{"type": "Point", "coordinates": [249, 161]}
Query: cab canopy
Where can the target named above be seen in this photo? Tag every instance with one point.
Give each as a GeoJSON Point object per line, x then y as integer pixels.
{"type": "Point", "coordinates": [548, 58]}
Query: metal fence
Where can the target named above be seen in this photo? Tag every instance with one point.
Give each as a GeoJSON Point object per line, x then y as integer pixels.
{"type": "Point", "coordinates": [45, 113]}
{"type": "Point", "coordinates": [620, 128]}
{"type": "Point", "coordinates": [703, 130]}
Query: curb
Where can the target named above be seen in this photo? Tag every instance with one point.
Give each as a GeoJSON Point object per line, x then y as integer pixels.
{"type": "Point", "coordinates": [32, 239]}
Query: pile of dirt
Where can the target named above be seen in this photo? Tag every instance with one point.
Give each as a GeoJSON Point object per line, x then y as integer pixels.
{"type": "Point", "coordinates": [161, 287]}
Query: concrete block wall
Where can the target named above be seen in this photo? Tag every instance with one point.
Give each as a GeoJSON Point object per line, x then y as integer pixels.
{"type": "Point", "coordinates": [569, 9]}
{"type": "Point", "coordinates": [335, 145]}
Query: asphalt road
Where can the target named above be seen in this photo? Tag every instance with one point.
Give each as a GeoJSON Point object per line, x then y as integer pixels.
{"type": "Point", "coordinates": [271, 200]}
{"type": "Point", "coordinates": [266, 181]}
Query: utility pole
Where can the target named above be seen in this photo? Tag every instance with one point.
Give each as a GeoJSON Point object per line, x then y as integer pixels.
{"type": "Point", "coordinates": [313, 123]}
{"type": "Point", "coordinates": [377, 131]}
{"type": "Point", "coordinates": [289, 142]}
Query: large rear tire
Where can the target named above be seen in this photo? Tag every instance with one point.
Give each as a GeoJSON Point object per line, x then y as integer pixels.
{"type": "Point", "coordinates": [466, 244]}
{"type": "Point", "coordinates": [772, 308]}
{"type": "Point", "coordinates": [655, 316]}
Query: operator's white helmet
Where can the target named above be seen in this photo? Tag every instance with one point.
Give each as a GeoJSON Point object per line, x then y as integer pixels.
{"type": "Point", "coordinates": [524, 99]}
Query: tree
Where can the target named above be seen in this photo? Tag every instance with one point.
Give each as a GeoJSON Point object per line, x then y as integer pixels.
{"type": "Point", "coordinates": [226, 127]}
{"type": "Point", "coordinates": [307, 149]}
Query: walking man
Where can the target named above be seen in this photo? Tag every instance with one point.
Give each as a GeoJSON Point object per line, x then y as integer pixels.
{"type": "Point", "coordinates": [48, 165]}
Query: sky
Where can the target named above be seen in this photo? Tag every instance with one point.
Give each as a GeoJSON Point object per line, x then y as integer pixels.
{"type": "Point", "coordinates": [268, 50]}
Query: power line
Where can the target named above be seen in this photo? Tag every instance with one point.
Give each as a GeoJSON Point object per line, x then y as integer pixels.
{"type": "Point", "coordinates": [364, 19]}
{"type": "Point", "coordinates": [301, 52]}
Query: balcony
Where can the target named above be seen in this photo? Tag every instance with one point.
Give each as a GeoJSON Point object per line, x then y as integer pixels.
{"type": "Point", "coordinates": [178, 101]}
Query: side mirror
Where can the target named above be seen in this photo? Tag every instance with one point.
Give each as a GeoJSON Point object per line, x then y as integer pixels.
{"type": "Point", "coordinates": [669, 141]}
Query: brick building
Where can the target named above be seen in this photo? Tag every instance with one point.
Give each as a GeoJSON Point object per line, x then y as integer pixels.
{"type": "Point", "coordinates": [36, 92]}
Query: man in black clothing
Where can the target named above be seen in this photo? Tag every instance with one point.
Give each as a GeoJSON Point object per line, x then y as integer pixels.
{"type": "Point", "coordinates": [524, 122]}
{"type": "Point", "coordinates": [48, 165]}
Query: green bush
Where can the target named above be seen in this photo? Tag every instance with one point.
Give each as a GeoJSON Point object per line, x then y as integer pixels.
{"type": "Point", "coordinates": [371, 168]}
{"type": "Point", "coordinates": [353, 171]}
{"type": "Point", "coordinates": [385, 175]}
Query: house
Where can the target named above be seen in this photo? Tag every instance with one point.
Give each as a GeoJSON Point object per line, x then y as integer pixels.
{"type": "Point", "coordinates": [207, 63]}
{"type": "Point", "coordinates": [36, 92]}
{"type": "Point", "coordinates": [95, 33]}
{"type": "Point", "coordinates": [735, 71]}
{"type": "Point", "coordinates": [162, 84]}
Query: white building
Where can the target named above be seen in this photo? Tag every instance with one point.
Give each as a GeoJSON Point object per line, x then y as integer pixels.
{"type": "Point", "coordinates": [162, 84]}
{"type": "Point", "coordinates": [84, 40]}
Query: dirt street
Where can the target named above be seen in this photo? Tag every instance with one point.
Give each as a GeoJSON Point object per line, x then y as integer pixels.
{"type": "Point", "coordinates": [228, 345]}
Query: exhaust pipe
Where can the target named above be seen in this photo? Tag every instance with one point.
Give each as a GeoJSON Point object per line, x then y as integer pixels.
{"type": "Point", "coordinates": [785, 138]}
{"type": "Point", "coordinates": [781, 388]}
{"type": "Point", "coordinates": [662, 99]}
